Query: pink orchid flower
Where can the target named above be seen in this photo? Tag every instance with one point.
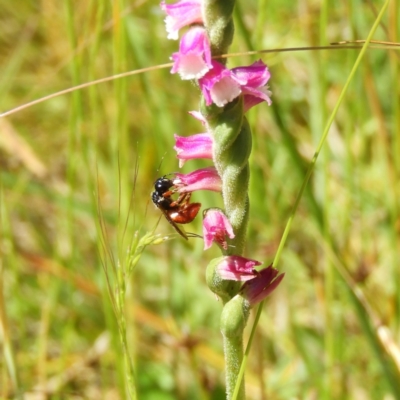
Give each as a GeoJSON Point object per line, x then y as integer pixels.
{"type": "Point", "coordinates": [201, 179]}
{"type": "Point", "coordinates": [221, 85]}
{"type": "Point", "coordinates": [237, 268]}
{"type": "Point", "coordinates": [194, 146]}
{"type": "Point", "coordinates": [194, 57]}
{"type": "Point", "coordinates": [180, 14]}
{"type": "Point", "coordinates": [216, 227]}
{"type": "Point", "coordinates": [254, 89]}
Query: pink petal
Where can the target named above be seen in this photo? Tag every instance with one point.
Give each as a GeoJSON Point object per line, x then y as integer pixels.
{"type": "Point", "coordinates": [254, 75]}
{"type": "Point", "coordinates": [224, 91]}
{"type": "Point", "coordinates": [254, 79]}
{"type": "Point", "coordinates": [191, 147]}
{"type": "Point", "coordinates": [237, 268]}
{"type": "Point", "coordinates": [180, 14]}
{"type": "Point", "coordinates": [201, 179]}
{"type": "Point", "coordinates": [258, 288]}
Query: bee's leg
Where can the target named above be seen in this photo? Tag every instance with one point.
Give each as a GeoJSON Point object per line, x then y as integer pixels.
{"type": "Point", "coordinates": [168, 194]}
{"type": "Point", "coordinates": [182, 200]}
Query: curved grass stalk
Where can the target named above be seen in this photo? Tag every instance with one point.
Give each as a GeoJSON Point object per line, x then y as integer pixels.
{"type": "Point", "coordinates": [334, 46]}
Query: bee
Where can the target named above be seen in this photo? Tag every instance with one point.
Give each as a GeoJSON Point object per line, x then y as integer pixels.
{"type": "Point", "coordinates": [179, 211]}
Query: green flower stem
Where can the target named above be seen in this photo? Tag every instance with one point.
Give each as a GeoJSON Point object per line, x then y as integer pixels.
{"type": "Point", "coordinates": [233, 352]}
{"type": "Point", "coordinates": [219, 24]}
{"type": "Point", "coordinates": [231, 151]}
{"type": "Point", "coordinates": [233, 321]}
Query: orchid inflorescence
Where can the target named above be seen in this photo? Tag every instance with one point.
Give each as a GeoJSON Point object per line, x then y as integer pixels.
{"type": "Point", "coordinates": [225, 139]}
{"type": "Point", "coordinates": [219, 86]}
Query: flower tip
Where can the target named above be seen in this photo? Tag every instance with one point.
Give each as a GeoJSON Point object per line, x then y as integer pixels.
{"type": "Point", "coordinates": [258, 288]}
{"type": "Point", "coordinates": [198, 115]}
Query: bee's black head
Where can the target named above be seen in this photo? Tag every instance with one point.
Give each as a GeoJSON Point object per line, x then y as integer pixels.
{"type": "Point", "coordinates": [162, 185]}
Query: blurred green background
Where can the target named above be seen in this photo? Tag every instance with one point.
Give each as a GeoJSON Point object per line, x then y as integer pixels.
{"type": "Point", "coordinates": [75, 182]}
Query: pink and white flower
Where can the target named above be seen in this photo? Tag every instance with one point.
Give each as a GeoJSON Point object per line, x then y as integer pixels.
{"type": "Point", "coordinates": [237, 268]}
{"type": "Point", "coordinates": [257, 289]}
{"type": "Point", "coordinates": [180, 14]}
{"type": "Point", "coordinates": [221, 85]}
{"type": "Point", "coordinates": [253, 83]}
{"type": "Point", "coordinates": [194, 57]}
{"type": "Point", "coordinates": [216, 228]}
{"type": "Point", "coordinates": [201, 179]}
{"type": "Point", "coordinates": [194, 146]}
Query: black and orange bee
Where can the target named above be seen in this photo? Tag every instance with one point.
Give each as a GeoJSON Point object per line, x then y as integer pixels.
{"type": "Point", "coordinates": [179, 211]}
